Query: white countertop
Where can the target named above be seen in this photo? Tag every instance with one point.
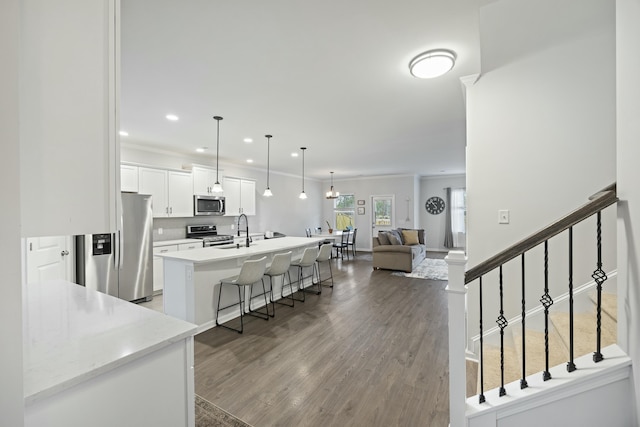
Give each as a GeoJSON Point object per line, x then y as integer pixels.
{"type": "Point", "coordinates": [72, 334]}
{"type": "Point", "coordinates": [216, 253]}
{"type": "Point", "coordinates": [174, 242]}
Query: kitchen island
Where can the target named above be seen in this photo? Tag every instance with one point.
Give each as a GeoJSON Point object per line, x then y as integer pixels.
{"type": "Point", "coordinates": [192, 278]}
{"type": "Point", "coordinates": [91, 359]}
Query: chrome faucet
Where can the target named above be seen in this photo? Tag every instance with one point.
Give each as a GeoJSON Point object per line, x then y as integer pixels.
{"type": "Point", "coordinates": [246, 221]}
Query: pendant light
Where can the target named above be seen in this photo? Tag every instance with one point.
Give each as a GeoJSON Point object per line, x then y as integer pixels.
{"type": "Point", "coordinates": [217, 187]}
{"type": "Point", "coordinates": [303, 195]}
{"type": "Point", "coordinates": [332, 194]}
{"type": "Point", "coordinates": [267, 191]}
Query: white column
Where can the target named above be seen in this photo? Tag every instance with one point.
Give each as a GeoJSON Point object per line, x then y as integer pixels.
{"type": "Point", "coordinates": [457, 262]}
{"type": "Point", "coordinates": [11, 387]}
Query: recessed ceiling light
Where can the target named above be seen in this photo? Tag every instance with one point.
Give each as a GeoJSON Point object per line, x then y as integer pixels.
{"type": "Point", "coordinates": [201, 149]}
{"type": "Point", "coordinates": [294, 154]}
{"type": "Point", "coordinates": [124, 133]}
{"type": "Point", "coordinates": [249, 160]}
{"type": "Point", "coordinates": [172, 117]}
{"type": "Point", "coordinates": [248, 140]}
{"type": "Point", "coordinates": [432, 63]}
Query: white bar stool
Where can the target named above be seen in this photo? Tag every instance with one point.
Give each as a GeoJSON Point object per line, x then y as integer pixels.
{"type": "Point", "coordinates": [308, 260]}
{"type": "Point", "coordinates": [279, 266]}
{"type": "Point", "coordinates": [324, 255]}
{"type": "Point", "coordinates": [251, 272]}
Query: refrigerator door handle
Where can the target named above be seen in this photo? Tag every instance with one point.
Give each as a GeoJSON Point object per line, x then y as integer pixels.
{"type": "Point", "coordinates": [120, 242]}
{"type": "Point", "coordinates": [116, 250]}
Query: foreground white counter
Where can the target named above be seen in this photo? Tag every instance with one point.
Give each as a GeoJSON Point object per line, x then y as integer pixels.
{"type": "Point", "coordinates": [191, 278]}
{"type": "Point", "coordinates": [92, 359]}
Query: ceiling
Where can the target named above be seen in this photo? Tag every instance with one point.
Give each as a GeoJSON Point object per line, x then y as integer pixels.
{"type": "Point", "coordinates": [328, 75]}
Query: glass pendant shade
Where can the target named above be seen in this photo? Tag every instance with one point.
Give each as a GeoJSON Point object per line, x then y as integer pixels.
{"type": "Point", "coordinates": [267, 191]}
{"type": "Point", "coordinates": [332, 194]}
{"type": "Point", "coordinates": [303, 195]}
{"type": "Point", "coordinates": [217, 187]}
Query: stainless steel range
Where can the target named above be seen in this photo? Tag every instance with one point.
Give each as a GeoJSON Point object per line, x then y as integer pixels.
{"type": "Point", "coordinates": [208, 234]}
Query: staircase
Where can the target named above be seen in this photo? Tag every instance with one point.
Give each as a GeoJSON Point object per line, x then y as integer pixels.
{"type": "Point", "coordinates": [557, 364]}
{"type": "Point", "coordinates": [584, 341]}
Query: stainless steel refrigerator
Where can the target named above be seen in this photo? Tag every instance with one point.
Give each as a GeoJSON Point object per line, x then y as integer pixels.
{"type": "Point", "coordinates": [120, 264]}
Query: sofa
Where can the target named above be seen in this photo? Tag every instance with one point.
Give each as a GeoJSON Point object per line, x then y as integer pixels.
{"type": "Point", "coordinates": [402, 249]}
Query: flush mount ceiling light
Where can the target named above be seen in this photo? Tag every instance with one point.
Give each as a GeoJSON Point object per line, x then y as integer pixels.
{"type": "Point", "coordinates": [124, 133]}
{"type": "Point", "coordinates": [267, 191]}
{"type": "Point", "coordinates": [432, 63]}
{"type": "Point", "coordinates": [332, 194]}
{"type": "Point", "coordinates": [217, 188]}
{"type": "Point", "coordinates": [172, 117]}
{"type": "Point", "coordinates": [303, 195]}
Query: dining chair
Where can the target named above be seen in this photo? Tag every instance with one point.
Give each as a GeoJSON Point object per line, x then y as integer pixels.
{"type": "Point", "coordinates": [342, 245]}
{"type": "Point", "coordinates": [352, 241]}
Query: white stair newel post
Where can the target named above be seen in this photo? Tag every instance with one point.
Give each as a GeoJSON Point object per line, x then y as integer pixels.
{"type": "Point", "coordinates": [457, 290]}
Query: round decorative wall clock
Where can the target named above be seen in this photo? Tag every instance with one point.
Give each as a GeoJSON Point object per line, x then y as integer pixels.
{"type": "Point", "coordinates": [435, 205]}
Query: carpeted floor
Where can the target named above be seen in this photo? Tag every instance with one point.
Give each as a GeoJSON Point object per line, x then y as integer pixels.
{"type": "Point", "coordinates": [431, 269]}
{"type": "Point", "coordinates": [209, 415]}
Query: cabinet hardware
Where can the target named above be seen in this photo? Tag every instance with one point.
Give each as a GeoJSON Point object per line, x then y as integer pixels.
{"type": "Point", "coordinates": [63, 253]}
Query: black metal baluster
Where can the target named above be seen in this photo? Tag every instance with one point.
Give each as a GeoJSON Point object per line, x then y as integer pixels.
{"type": "Point", "coordinates": [546, 302]}
{"type": "Point", "coordinates": [502, 323]}
{"type": "Point", "coordinates": [481, 397]}
{"type": "Point", "coordinates": [599, 276]}
{"type": "Point", "coordinates": [523, 381]}
{"type": "Point", "coordinates": [571, 366]}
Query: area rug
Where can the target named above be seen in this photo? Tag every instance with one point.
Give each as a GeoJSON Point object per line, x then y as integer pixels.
{"type": "Point", "coordinates": [430, 269]}
{"type": "Point", "coordinates": [210, 415]}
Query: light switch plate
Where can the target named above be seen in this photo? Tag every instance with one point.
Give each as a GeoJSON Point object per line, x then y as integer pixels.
{"type": "Point", "coordinates": [503, 216]}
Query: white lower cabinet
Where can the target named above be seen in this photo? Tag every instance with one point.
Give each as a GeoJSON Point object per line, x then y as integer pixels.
{"type": "Point", "coordinates": [188, 246]}
{"type": "Point", "coordinates": [158, 272]}
{"type": "Point", "coordinates": [158, 267]}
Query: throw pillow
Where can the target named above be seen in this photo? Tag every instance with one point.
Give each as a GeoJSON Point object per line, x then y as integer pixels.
{"type": "Point", "coordinates": [410, 237]}
{"type": "Point", "coordinates": [383, 238]}
{"type": "Point", "coordinates": [394, 239]}
{"type": "Point", "coordinates": [398, 235]}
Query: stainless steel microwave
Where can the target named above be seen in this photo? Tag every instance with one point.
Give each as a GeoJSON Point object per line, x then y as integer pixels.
{"type": "Point", "coordinates": [208, 205]}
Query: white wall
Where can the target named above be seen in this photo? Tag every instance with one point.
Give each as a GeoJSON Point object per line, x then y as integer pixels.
{"type": "Point", "coordinates": [541, 133]}
{"type": "Point", "coordinates": [283, 212]}
{"type": "Point", "coordinates": [403, 187]}
{"type": "Point", "coordinates": [11, 392]}
{"type": "Point", "coordinates": [628, 132]}
{"type": "Point", "coordinates": [435, 224]}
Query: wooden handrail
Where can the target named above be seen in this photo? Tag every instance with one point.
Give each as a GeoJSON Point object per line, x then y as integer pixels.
{"type": "Point", "coordinates": [597, 202]}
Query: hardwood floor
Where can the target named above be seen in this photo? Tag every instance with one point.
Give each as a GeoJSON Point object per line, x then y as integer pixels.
{"type": "Point", "coordinates": [372, 351]}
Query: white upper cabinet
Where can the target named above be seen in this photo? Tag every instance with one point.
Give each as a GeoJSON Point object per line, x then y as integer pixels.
{"type": "Point", "coordinates": [69, 156]}
{"type": "Point", "coordinates": [240, 196]}
{"type": "Point", "coordinates": [180, 193]}
{"type": "Point", "coordinates": [171, 191]}
{"type": "Point", "coordinates": [129, 178]}
{"type": "Point", "coordinates": [248, 197]}
{"type": "Point", "coordinates": [203, 180]}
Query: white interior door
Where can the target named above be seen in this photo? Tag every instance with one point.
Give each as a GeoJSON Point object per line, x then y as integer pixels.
{"type": "Point", "coordinates": [49, 258]}
{"type": "Point", "coordinates": [382, 214]}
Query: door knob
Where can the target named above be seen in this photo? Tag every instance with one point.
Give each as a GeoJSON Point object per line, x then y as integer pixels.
{"type": "Point", "coordinates": [63, 253]}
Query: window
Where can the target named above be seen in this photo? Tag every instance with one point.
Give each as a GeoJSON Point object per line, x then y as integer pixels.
{"type": "Point", "coordinates": [458, 217]}
{"type": "Point", "coordinates": [344, 209]}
